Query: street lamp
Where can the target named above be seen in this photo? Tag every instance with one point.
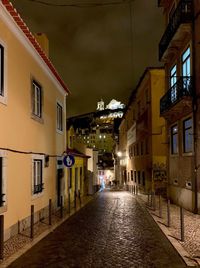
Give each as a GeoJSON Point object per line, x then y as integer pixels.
{"type": "Point", "coordinates": [119, 154]}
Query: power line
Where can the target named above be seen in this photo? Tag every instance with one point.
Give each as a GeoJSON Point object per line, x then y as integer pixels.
{"type": "Point", "coordinates": [84, 5]}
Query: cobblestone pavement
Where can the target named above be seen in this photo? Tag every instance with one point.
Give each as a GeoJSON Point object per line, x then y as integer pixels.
{"type": "Point", "coordinates": [191, 241]}
{"type": "Point", "coordinates": [113, 230]}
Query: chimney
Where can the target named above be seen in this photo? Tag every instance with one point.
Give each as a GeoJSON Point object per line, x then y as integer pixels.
{"type": "Point", "coordinates": [43, 41]}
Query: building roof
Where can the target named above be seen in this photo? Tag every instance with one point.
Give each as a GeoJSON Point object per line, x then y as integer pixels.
{"type": "Point", "coordinates": [21, 24]}
{"type": "Point", "coordinates": [75, 152]}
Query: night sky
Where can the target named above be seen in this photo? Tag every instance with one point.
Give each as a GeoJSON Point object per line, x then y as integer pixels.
{"type": "Point", "coordinates": [99, 50]}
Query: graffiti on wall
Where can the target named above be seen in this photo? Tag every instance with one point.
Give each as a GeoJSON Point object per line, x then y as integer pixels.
{"type": "Point", "coordinates": [159, 172]}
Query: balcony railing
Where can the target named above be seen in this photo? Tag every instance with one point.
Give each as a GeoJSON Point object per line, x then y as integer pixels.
{"type": "Point", "coordinates": [182, 14]}
{"type": "Point", "coordinates": [38, 188]}
{"type": "Point", "coordinates": [182, 88]}
{"type": "Point", "coordinates": [2, 199]}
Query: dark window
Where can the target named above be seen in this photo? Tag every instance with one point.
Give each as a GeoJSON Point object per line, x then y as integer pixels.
{"type": "Point", "coordinates": [59, 117]}
{"type": "Point", "coordinates": [187, 135]}
{"type": "Point", "coordinates": [138, 177]}
{"type": "Point", "coordinates": [143, 178]}
{"type": "Point", "coordinates": [174, 139]}
{"type": "Point", "coordinates": [37, 99]}
{"type": "Point", "coordinates": [132, 175]}
{"type": "Point", "coordinates": [147, 146]}
{"type": "Point", "coordinates": [37, 176]}
{"type": "Point", "coordinates": [141, 147]}
{"type": "Point", "coordinates": [1, 70]}
{"type": "Point", "coordinates": [1, 183]}
{"type": "Point", "coordinates": [137, 149]}
{"type": "Point", "coordinates": [135, 176]}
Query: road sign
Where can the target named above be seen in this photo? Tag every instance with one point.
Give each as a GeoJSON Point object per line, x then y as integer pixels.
{"type": "Point", "coordinates": [69, 160]}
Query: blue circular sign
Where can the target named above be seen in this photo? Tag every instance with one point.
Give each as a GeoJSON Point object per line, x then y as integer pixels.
{"type": "Point", "coordinates": [69, 160]}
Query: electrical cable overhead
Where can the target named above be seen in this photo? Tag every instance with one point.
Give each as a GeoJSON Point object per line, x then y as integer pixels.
{"type": "Point", "coordinates": [84, 5]}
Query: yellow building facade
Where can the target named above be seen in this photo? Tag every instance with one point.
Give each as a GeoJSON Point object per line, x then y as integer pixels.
{"type": "Point", "coordinates": [142, 135]}
{"type": "Point", "coordinates": [32, 116]}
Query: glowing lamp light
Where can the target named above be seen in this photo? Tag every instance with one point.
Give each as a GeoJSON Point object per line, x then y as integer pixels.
{"type": "Point", "coordinates": [119, 154]}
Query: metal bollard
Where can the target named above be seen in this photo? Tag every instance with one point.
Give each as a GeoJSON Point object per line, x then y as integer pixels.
{"type": "Point", "coordinates": [154, 201]}
{"type": "Point", "coordinates": [79, 196]}
{"type": "Point", "coordinates": [74, 199]}
{"type": "Point", "coordinates": [32, 221]}
{"type": "Point", "coordinates": [182, 224]}
{"type": "Point", "coordinates": [69, 202]}
{"type": "Point", "coordinates": [168, 213]}
{"type": "Point", "coordinates": [160, 206]}
{"type": "Point", "coordinates": [148, 200]}
{"type": "Point", "coordinates": [61, 206]}
{"type": "Point", "coordinates": [50, 211]}
{"type": "Point", "coordinates": [1, 235]}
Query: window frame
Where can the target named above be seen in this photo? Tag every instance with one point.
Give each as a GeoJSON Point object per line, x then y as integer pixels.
{"type": "Point", "coordinates": [3, 205]}
{"type": "Point", "coordinates": [59, 117]}
{"type": "Point", "coordinates": [172, 135]}
{"type": "Point", "coordinates": [3, 75]}
{"type": "Point", "coordinates": [184, 129]}
{"type": "Point", "coordinates": [37, 103]}
{"type": "Point", "coordinates": [2, 71]}
{"type": "Point", "coordinates": [35, 182]}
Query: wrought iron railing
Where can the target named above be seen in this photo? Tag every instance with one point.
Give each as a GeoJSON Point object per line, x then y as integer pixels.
{"type": "Point", "coordinates": [2, 201]}
{"type": "Point", "coordinates": [38, 188]}
{"type": "Point", "coordinates": [182, 14]}
{"type": "Point", "coordinates": [183, 87]}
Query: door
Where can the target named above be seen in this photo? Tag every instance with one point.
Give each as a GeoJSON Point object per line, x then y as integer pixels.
{"type": "Point", "coordinates": [76, 181]}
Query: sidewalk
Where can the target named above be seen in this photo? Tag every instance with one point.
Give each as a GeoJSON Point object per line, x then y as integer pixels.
{"type": "Point", "coordinates": [20, 243]}
{"type": "Point", "coordinates": [190, 248]}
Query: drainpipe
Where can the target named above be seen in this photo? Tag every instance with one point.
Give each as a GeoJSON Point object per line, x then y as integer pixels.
{"type": "Point", "coordinates": [194, 105]}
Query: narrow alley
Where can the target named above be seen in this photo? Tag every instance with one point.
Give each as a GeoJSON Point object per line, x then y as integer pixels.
{"type": "Point", "coordinates": [113, 230]}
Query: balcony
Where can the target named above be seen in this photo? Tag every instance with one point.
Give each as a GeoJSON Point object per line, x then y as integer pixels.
{"type": "Point", "coordinates": [177, 26]}
{"type": "Point", "coordinates": [178, 98]}
{"type": "Point", "coordinates": [38, 188]}
{"type": "Point", "coordinates": [2, 200]}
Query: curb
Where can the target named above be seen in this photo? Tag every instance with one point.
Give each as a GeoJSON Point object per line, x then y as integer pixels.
{"type": "Point", "coordinates": [188, 260]}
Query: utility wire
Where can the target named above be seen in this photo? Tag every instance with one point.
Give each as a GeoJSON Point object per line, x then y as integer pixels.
{"type": "Point", "coordinates": [26, 152]}
{"type": "Point", "coordinates": [84, 5]}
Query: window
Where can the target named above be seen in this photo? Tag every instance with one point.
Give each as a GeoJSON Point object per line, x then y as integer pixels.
{"type": "Point", "coordinates": [143, 178]}
{"type": "Point", "coordinates": [187, 135]}
{"type": "Point", "coordinates": [135, 176]}
{"type": "Point", "coordinates": [147, 146]}
{"type": "Point", "coordinates": [37, 176]}
{"type": "Point", "coordinates": [137, 149]}
{"type": "Point", "coordinates": [37, 99]}
{"type": "Point", "coordinates": [1, 70]}
{"type": "Point", "coordinates": [138, 177]}
{"type": "Point", "coordinates": [2, 194]}
{"type": "Point", "coordinates": [59, 117]}
{"type": "Point", "coordinates": [174, 139]}
{"type": "Point", "coordinates": [141, 148]}
{"type": "Point", "coordinates": [186, 68]}
{"type": "Point", "coordinates": [173, 79]}
{"type": "Point", "coordinates": [132, 175]}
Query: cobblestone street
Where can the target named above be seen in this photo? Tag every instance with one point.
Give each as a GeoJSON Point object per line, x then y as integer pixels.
{"type": "Point", "coordinates": [113, 230]}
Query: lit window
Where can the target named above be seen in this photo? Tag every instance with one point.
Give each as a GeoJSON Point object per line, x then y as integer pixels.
{"type": "Point", "coordinates": [186, 64]}
{"type": "Point", "coordinates": [173, 79]}
{"type": "Point", "coordinates": [187, 135]}
{"type": "Point", "coordinates": [59, 117]}
{"type": "Point", "coordinates": [174, 139]}
{"type": "Point", "coordinates": [1, 70]}
{"type": "Point", "coordinates": [100, 136]}
{"type": "Point", "coordinates": [37, 176]}
{"type": "Point", "coordinates": [36, 99]}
